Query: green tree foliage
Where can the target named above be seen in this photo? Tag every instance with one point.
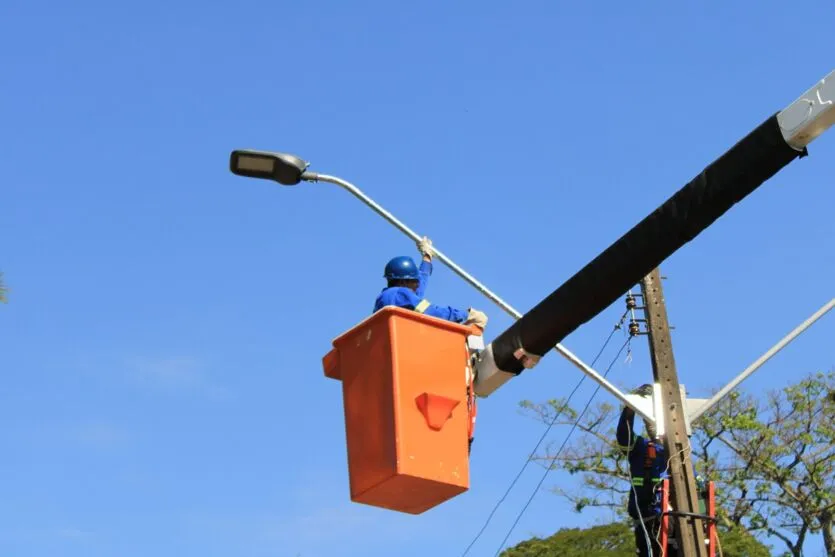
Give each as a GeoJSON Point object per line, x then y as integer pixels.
{"type": "Point", "coordinates": [617, 540]}
{"type": "Point", "coordinates": [610, 540]}
{"type": "Point", "coordinates": [772, 460]}
{"type": "Point", "coordinates": [735, 541]}
{"type": "Point", "coordinates": [779, 476]}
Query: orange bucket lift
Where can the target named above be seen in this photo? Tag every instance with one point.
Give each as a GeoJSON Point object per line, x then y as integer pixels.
{"type": "Point", "coordinates": [409, 407]}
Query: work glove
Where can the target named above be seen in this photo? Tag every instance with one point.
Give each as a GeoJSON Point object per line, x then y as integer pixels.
{"type": "Point", "coordinates": [424, 246]}
{"type": "Point", "coordinates": [477, 318]}
{"type": "Point", "coordinates": [643, 390]}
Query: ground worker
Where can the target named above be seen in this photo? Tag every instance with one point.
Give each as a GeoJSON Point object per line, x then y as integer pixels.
{"type": "Point", "coordinates": [647, 468]}
{"type": "Point", "coordinates": [407, 286]}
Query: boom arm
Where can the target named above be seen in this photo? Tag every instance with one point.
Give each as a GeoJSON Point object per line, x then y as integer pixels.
{"type": "Point", "coordinates": [751, 162]}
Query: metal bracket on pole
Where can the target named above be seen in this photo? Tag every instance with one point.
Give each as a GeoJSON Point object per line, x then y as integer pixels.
{"type": "Point", "coordinates": [647, 406]}
{"type": "Point", "coordinates": [652, 407]}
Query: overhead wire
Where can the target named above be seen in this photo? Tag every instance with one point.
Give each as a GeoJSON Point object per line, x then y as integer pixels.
{"type": "Point", "coordinates": [565, 441]}
{"type": "Point", "coordinates": [544, 435]}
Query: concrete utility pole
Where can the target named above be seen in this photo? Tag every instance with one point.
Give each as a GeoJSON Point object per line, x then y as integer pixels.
{"type": "Point", "coordinates": [684, 495]}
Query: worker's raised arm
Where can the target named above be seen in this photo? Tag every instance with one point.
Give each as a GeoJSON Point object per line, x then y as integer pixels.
{"type": "Point", "coordinates": [424, 273]}
{"type": "Point", "coordinates": [626, 428]}
{"type": "Point", "coordinates": [424, 246]}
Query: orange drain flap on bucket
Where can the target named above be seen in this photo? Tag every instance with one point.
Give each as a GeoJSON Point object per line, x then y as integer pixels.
{"type": "Point", "coordinates": [404, 394]}
{"type": "Point", "coordinates": [436, 409]}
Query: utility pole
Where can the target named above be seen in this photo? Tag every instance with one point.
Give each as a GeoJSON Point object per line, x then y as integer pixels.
{"type": "Point", "coordinates": [689, 532]}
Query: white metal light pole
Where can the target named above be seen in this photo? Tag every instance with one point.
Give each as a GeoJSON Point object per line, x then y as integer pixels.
{"type": "Point", "coordinates": [723, 392]}
{"type": "Point", "coordinates": [290, 170]}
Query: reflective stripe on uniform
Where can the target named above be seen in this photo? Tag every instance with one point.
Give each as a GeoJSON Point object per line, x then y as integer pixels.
{"type": "Point", "coordinates": [640, 481]}
{"type": "Point", "coordinates": [422, 305]}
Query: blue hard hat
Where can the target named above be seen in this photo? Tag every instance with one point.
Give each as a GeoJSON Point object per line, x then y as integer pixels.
{"type": "Point", "coordinates": [402, 267]}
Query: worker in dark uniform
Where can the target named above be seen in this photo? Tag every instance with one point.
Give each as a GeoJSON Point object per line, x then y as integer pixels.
{"type": "Point", "coordinates": [647, 468]}
{"type": "Point", "coordinates": [407, 286]}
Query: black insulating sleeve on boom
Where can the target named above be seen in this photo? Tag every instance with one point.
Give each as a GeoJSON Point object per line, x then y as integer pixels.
{"type": "Point", "coordinates": [725, 182]}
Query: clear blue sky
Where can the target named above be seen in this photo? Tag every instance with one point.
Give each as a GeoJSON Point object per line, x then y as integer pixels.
{"type": "Point", "coordinates": [162, 391]}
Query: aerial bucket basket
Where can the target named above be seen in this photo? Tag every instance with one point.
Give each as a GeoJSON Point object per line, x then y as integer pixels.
{"type": "Point", "coordinates": [409, 408]}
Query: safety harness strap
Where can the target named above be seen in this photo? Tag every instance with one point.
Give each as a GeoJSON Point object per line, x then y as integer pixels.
{"type": "Point", "coordinates": [472, 408]}
{"type": "Point", "coordinates": [648, 481]}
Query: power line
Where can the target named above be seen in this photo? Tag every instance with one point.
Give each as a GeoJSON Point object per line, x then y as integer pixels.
{"type": "Point", "coordinates": [544, 434]}
{"type": "Point", "coordinates": [550, 464]}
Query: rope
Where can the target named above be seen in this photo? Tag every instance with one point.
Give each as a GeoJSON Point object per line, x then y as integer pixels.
{"type": "Point", "coordinates": [542, 438]}
{"type": "Point", "coordinates": [573, 427]}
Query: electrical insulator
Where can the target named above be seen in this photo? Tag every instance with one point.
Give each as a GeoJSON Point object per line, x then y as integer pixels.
{"type": "Point", "coordinates": [634, 328]}
{"type": "Point", "coordinates": [630, 302]}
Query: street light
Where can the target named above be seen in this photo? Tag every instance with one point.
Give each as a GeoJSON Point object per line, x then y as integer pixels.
{"type": "Point", "coordinates": [285, 169]}
{"type": "Point", "coordinates": [289, 170]}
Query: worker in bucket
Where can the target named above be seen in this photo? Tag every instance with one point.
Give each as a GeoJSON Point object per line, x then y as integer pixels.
{"type": "Point", "coordinates": [647, 468]}
{"type": "Point", "coordinates": [406, 288]}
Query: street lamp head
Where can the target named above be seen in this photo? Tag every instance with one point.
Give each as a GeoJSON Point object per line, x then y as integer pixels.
{"type": "Point", "coordinates": [281, 167]}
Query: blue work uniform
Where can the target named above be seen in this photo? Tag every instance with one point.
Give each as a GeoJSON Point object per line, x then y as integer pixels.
{"type": "Point", "coordinates": [403, 297]}
{"type": "Point", "coordinates": [647, 464]}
